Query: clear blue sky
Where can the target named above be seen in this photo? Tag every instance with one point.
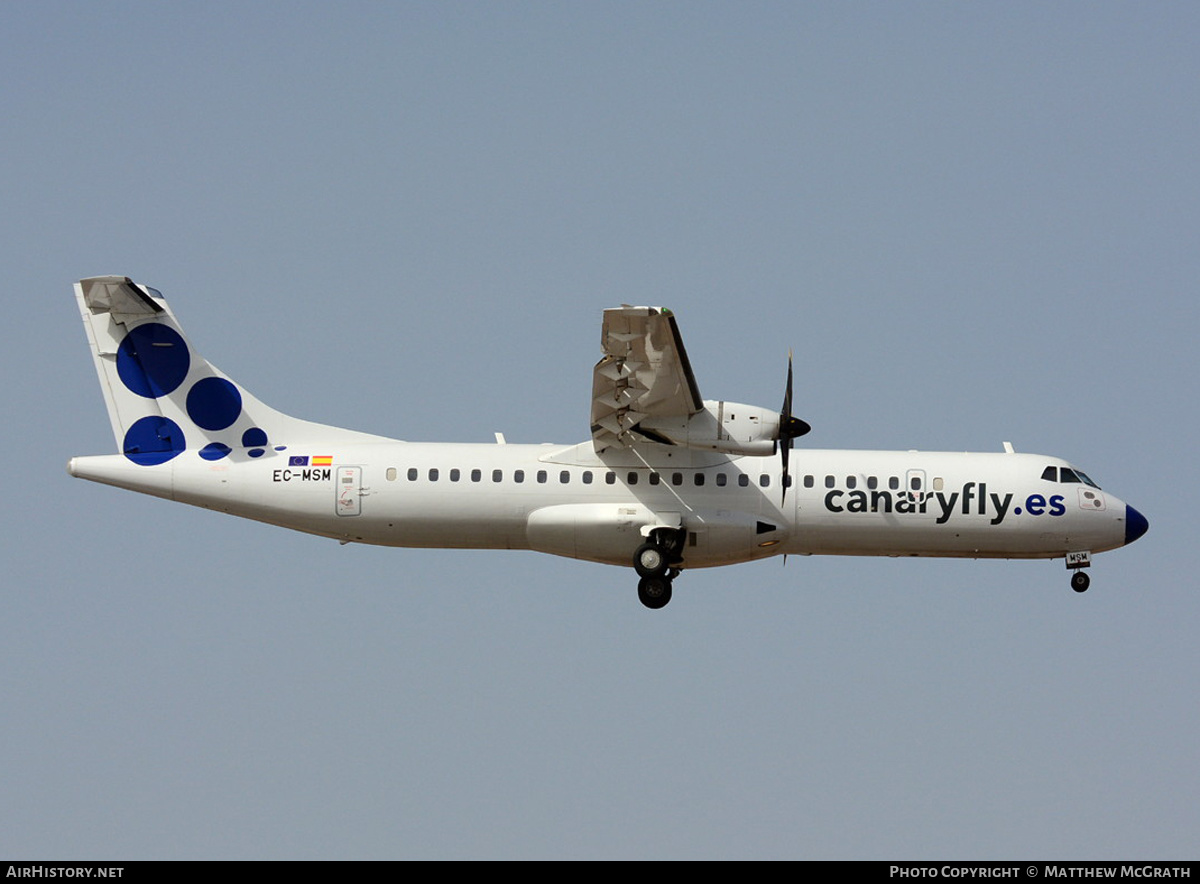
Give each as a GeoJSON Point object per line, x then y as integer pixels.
{"type": "Point", "coordinates": [972, 222]}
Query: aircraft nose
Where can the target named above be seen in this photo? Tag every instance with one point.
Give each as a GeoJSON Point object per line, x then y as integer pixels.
{"type": "Point", "coordinates": [1135, 524]}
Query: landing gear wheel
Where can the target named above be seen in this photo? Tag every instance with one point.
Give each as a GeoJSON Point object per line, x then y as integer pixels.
{"type": "Point", "coordinates": [650, 560]}
{"type": "Point", "coordinates": [654, 592]}
{"type": "Point", "coordinates": [1080, 581]}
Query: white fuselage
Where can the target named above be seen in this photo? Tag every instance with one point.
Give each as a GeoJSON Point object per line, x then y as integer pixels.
{"type": "Point", "coordinates": [569, 501]}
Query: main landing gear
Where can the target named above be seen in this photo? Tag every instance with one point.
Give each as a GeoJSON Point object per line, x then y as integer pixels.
{"type": "Point", "coordinates": [1080, 581]}
{"type": "Point", "coordinates": [654, 562]}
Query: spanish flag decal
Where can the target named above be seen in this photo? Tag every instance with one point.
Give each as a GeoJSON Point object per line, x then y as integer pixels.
{"type": "Point", "coordinates": [322, 460]}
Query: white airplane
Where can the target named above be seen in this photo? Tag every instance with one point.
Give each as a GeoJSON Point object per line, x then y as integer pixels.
{"type": "Point", "coordinates": [668, 481]}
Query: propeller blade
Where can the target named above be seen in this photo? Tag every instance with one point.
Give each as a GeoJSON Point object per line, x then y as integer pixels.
{"type": "Point", "coordinates": [790, 427]}
{"type": "Point", "coordinates": [786, 411]}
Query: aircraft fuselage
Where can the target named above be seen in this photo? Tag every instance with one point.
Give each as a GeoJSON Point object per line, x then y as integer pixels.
{"type": "Point", "coordinates": [569, 501]}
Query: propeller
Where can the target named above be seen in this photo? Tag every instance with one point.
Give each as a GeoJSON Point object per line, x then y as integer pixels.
{"type": "Point", "coordinates": [790, 427]}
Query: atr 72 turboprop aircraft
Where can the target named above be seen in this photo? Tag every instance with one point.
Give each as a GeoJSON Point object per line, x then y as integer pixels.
{"type": "Point", "coordinates": [668, 481]}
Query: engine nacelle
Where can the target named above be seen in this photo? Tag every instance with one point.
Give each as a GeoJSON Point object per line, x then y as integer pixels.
{"type": "Point", "coordinates": [731, 427]}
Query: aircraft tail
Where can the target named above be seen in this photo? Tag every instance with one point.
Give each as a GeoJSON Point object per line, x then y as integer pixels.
{"type": "Point", "coordinates": [164, 398]}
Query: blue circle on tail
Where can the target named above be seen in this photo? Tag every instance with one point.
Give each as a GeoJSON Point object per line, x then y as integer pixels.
{"type": "Point", "coordinates": [152, 360]}
{"type": "Point", "coordinates": [213, 403]}
{"type": "Point", "coordinates": [215, 451]}
{"type": "Point", "coordinates": [153, 440]}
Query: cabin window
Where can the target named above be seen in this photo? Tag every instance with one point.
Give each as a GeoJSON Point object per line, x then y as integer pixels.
{"type": "Point", "coordinates": [938, 483]}
{"type": "Point", "coordinates": [894, 483]}
{"type": "Point", "coordinates": [720, 480]}
{"type": "Point", "coordinates": [412, 474]}
{"type": "Point", "coordinates": [787, 481]}
{"type": "Point", "coordinates": [476, 475]}
{"type": "Point", "coordinates": [433, 474]}
{"type": "Point", "coordinates": [764, 480]}
{"type": "Point", "coordinates": [676, 478]}
{"type": "Point", "coordinates": [829, 481]}
{"type": "Point", "coordinates": [455, 475]}
{"type": "Point", "coordinates": [809, 481]}
{"type": "Point", "coordinates": [541, 477]}
{"type": "Point", "coordinates": [914, 483]}
{"type": "Point", "coordinates": [699, 479]}
{"type": "Point", "coordinates": [391, 474]}
{"type": "Point", "coordinates": [564, 477]}
{"type": "Point", "coordinates": [518, 476]}
{"type": "Point", "coordinates": [587, 477]}
{"type": "Point", "coordinates": [851, 481]}
{"type": "Point", "coordinates": [655, 478]}
{"type": "Point", "coordinates": [743, 480]}
{"type": "Point", "coordinates": [610, 478]}
{"type": "Point", "coordinates": [872, 483]}
{"type": "Point", "coordinates": [497, 475]}
{"type": "Point", "coordinates": [631, 479]}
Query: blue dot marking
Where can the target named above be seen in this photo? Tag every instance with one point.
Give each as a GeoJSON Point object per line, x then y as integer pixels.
{"type": "Point", "coordinates": [153, 360]}
{"type": "Point", "coordinates": [256, 452]}
{"type": "Point", "coordinates": [253, 437]}
{"type": "Point", "coordinates": [215, 451]}
{"type": "Point", "coordinates": [153, 440]}
{"type": "Point", "coordinates": [213, 403]}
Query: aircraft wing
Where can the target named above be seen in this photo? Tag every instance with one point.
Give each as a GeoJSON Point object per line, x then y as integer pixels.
{"type": "Point", "coordinates": [644, 373]}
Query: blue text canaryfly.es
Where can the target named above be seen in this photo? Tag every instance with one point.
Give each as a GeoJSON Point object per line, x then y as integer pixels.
{"type": "Point", "coordinates": [972, 499]}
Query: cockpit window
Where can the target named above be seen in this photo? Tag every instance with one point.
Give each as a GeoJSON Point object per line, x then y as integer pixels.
{"type": "Point", "coordinates": [1067, 475]}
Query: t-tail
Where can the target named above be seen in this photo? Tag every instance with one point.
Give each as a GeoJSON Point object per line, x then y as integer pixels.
{"type": "Point", "coordinates": [165, 400]}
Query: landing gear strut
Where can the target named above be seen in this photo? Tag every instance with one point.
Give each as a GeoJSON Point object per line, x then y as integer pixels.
{"type": "Point", "coordinates": [654, 561]}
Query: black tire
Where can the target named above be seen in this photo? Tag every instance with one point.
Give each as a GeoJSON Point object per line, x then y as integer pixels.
{"type": "Point", "coordinates": [654, 592]}
{"type": "Point", "coordinates": [651, 560]}
{"type": "Point", "coordinates": [1080, 581]}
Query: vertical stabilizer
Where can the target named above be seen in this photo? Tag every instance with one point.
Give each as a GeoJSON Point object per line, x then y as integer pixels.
{"type": "Point", "coordinates": [163, 397]}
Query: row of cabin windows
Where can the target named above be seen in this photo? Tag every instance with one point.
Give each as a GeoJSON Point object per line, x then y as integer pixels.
{"type": "Point", "coordinates": [872, 482]}
{"type": "Point", "coordinates": [633, 477]}
{"type": "Point", "coordinates": [915, 481]}
{"type": "Point", "coordinates": [587, 477]}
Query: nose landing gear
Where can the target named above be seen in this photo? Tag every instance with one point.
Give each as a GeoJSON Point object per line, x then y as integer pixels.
{"type": "Point", "coordinates": [1076, 562]}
